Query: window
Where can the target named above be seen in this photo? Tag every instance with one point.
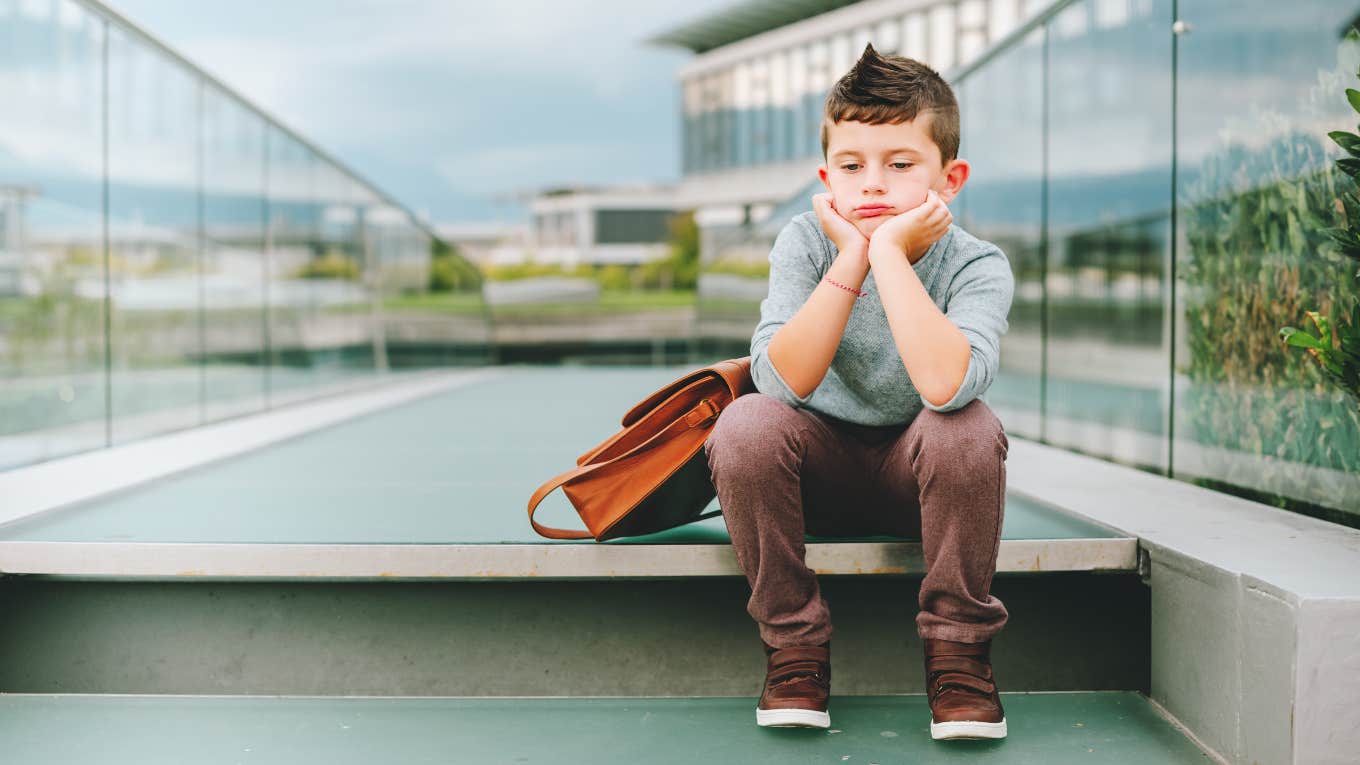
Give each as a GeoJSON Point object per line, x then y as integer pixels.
{"type": "Point", "coordinates": [632, 226]}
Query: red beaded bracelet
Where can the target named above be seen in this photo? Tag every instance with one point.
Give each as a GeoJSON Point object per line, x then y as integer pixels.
{"type": "Point", "coordinates": [858, 293]}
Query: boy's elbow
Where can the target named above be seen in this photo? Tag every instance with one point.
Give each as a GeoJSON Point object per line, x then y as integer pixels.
{"type": "Point", "coordinates": [936, 401]}
{"type": "Point", "coordinates": [768, 380]}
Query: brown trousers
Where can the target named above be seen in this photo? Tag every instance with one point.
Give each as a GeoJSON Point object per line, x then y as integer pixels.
{"type": "Point", "coordinates": [781, 472]}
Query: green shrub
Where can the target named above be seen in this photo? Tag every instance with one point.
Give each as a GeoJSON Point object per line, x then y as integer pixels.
{"type": "Point", "coordinates": [333, 265]}
{"type": "Point", "coordinates": [614, 277]}
{"type": "Point", "coordinates": [758, 269]}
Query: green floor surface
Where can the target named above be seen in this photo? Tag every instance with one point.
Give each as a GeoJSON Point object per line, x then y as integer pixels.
{"type": "Point", "coordinates": [1044, 729]}
{"type": "Point", "coordinates": [454, 468]}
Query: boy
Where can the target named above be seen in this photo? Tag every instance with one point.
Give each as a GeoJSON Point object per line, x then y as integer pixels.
{"type": "Point", "coordinates": [881, 328]}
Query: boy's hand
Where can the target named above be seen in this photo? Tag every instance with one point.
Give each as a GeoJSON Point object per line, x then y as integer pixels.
{"type": "Point", "coordinates": [840, 231]}
{"type": "Point", "coordinates": [914, 231]}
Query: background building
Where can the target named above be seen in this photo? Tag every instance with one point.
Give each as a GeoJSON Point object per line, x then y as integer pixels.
{"type": "Point", "coordinates": [601, 226]}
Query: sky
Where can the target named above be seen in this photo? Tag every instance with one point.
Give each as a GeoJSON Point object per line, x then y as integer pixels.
{"type": "Point", "coordinates": [458, 110]}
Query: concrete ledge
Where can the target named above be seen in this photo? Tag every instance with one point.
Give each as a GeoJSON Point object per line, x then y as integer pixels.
{"type": "Point", "coordinates": [146, 560]}
{"type": "Point", "coordinates": [51, 485]}
{"type": "Point", "coordinates": [1255, 610]}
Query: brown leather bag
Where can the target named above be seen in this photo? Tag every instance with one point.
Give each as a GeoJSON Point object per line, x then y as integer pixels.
{"type": "Point", "coordinates": [653, 474]}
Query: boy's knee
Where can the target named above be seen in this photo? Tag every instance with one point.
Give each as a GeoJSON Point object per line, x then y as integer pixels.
{"type": "Point", "coordinates": [973, 430]}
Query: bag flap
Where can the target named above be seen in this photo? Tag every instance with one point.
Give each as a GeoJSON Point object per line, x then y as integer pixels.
{"type": "Point", "coordinates": [735, 373]}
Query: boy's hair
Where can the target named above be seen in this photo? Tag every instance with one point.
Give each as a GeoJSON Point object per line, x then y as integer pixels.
{"type": "Point", "coordinates": [891, 90]}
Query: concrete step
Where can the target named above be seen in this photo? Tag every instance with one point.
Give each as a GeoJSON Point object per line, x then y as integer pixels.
{"type": "Point", "coordinates": [1043, 729]}
{"type": "Point", "coordinates": [660, 636]}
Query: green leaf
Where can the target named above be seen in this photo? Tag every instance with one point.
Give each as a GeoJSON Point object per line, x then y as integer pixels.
{"type": "Point", "coordinates": [1350, 142]}
{"type": "Point", "coordinates": [1299, 339]}
{"type": "Point", "coordinates": [1350, 343]}
{"type": "Point", "coordinates": [1351, 205]}
{"type": "Point", "coordinates": [1349, 165]}
{"type": "Point", "coordinates": [1341, 236]}
{"type": "Point", "coordinates": [1353, 96]}
{"type": "Point", "coordinates": [1324, 326]}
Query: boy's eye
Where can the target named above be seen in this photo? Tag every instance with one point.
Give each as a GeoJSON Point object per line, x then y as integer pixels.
{"type": "Point", "coordinates": [852, 166]}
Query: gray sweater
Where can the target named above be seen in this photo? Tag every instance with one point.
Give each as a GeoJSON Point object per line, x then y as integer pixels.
{"type": "Point", "coordinates": [970, 281]}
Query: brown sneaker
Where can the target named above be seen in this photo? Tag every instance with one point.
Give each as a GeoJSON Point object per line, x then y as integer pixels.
{"type": "Point", "coordinates": [797, 684]}
{"type": "Point", "coordinates": [964, 702]}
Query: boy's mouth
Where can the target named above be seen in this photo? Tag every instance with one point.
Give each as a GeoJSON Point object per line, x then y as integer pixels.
{"type": "Point", "coordinates": [870, 211]}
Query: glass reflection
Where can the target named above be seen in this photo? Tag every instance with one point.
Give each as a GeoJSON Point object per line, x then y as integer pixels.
{"type": "Point", "coordinates": [238, 268]}
{"type": "Point", "coordinates": [1256, 185]}
{"type": "Point", "coordinates": [1109, 168]}
{"type": "Point", "coordinates": [290, 240]}
{"type": "Point", "coordinates": [154, 250]}
{"type": "Point", "coordinates": [233, 257]}
{"type": "Point", "coordinates": [52, 331]}
{"type": "Point", "coordinates": [1003, 204]}
{"type": "Point", "coordinates": [331, 278]}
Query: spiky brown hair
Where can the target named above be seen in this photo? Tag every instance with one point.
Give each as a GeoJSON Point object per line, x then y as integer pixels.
{"type": "Point", "coordinates": [881, 90]}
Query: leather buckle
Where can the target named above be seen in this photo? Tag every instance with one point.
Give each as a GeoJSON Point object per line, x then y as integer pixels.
{"type": "Point", "coordinates": [701, 414]}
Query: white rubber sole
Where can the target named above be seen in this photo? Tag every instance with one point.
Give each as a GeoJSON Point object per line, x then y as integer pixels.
{"type": "Point", "coordinates": [968, 729]}
{"type": "Point", "coordinates": [792, 718]}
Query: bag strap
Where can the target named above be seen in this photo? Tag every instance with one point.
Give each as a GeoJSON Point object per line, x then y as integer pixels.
{"type": "Point", "coordinates": [702, 412]}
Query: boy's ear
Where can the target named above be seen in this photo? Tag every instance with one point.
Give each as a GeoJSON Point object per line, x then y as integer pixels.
{"type": "Point", "coordinates": [952, 179]}
{"type": "Point", "coordinates": [822, 173]}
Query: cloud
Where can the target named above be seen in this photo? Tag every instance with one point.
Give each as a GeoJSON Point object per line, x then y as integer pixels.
{"type": "Point", "coordinates": [505, 170]}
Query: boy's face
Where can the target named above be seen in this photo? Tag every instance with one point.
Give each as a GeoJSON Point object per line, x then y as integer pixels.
{"type": "Point", "coordinates": [877, 171]}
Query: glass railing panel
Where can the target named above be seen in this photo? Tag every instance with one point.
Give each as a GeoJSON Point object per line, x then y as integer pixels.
{"type": "Point", "coordinates": [734, 275]}
{"type": "Point", "coordinates": [291, 245]}
{"type": "Point", "coordinates": [154, 248]}
{"type": "Point", "coordinates": [959, 206]}
{"type": "Point", "coordinates": [1003, 204]}
{"type": "Point", "coordinates": [363, 359]}
{"type": "Point", "coordinates": [1109, 223]}
{"type": "Point", "coordinates": [1256, 184]}
{"type": "Point", "coordinates": [234, 357]}
{"type": "Point", "coordinates": [52, 332]}
{"type": "Point", "coordinates": [331, 277]}
{"type": "Point", "coordinates": [431, 311]}
{"type": "Point", "coordinates": [169, 256]}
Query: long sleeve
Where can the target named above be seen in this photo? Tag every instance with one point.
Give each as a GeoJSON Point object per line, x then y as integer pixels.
{"type": "Point", "coordinates": [795, 271]}
{"type": "Point", "coordinates": [979, 299]}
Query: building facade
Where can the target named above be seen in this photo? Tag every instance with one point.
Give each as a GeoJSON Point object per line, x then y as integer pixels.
{"type": "Point", "coordinates": [619, 225]}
